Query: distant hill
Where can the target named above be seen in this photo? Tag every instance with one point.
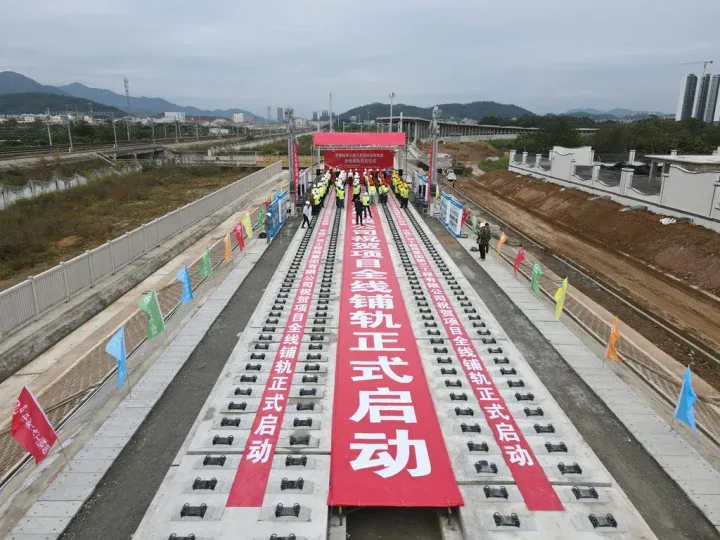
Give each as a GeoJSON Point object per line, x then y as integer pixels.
{"type": "Point", "coordinates": [15, 83]}
{"type": "Point", "coordinates": [476, 110]}
{"type": "Point", "coordinates": [146, 105]}
{"type": "Point", "coordinates": [38, 103]}
{"type": "Point", "coordinates": [612, 114]}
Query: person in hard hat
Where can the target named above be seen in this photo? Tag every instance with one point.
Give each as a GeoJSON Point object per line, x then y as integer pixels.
{"type": "Point", "coordinates": [268, 227]}
{"type": "Point", "coordinates": [483, 235]}
{"type": "Point", "coordinates": [383, 193]}
{"type": "Point", "coordinates": [307, 211]}
{"type": "Point", "coordinates": [366, 204]}
{"type": "Point", "coordinates": [356, 190]}
{"type": "Point", "coordinates": [372, 190]}
{"type": "Point", "coordinates": [340, 196]}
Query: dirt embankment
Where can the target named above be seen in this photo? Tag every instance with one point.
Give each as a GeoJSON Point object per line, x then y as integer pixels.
{"type": "Point", "coordinates": [685, 251]}
{"type": "Point", "coordinates": [596, 234]}
{"type": "Point", "coordinates": [467, 153]}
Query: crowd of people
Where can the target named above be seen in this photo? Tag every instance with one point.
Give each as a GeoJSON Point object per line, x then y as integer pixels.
{"type": "Point", "coordinates": [366, 190]}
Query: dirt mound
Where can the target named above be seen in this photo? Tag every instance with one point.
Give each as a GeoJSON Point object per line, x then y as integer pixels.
{"type": "Point", "coordinates": [688, 252]}
{"type": "Point", "coordinates": [467, 153]}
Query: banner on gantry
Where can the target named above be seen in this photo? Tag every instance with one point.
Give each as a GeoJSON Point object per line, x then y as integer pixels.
{"type": "Point", "coordinates": [387, 446]}
{"type": "Point", "coordinates": [527, 471]}
{"type": "Point", "coordinates": [359, 159]}
{"type": "Point", "coordinates": [248, 488]}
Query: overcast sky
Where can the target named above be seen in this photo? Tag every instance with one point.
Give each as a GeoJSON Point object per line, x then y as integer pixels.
{"type": "Point", "coordinates": [547, 56]}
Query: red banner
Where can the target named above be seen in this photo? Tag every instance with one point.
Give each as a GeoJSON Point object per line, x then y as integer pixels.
{"type": "Point", "coordinates": [359, 159]}
{"type": "Point", "coordinates": [296, 168]}
{"type": "Point", "coordinates": [30, 426]}
{"type": "Point", "coordinates": [240, 235]}
{"type": "Point", "coordinates": [248, 488]}
{"type": "Point", "coordinates": [524, 467]}
{"type": "Point", "coordinates": [387, 446]}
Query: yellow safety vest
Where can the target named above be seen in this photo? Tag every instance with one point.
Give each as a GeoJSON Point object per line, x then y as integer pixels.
{"type": "Point", "coordinates": [356, 190]}
{"type": "Point", "coordinates": [372, 189]}
{"type": "Point", "coordinates": [341, 194]}
{"type": "Point", "coordinates": [366, 201]}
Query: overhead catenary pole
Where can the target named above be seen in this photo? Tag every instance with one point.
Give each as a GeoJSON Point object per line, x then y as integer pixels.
{"type": "Point", "coordinates": [47, 121]}
{"type": "Point", "coordinates": [331, 120]}
{"type": "Point", "coordinates": [112, 119]}
{"type": "Point", "coordinates": [289, 118]}
{"type": "Point", "coordinates": [69, 131]}
{"type": "Point", "coordinates": [432, 176]}
{"type": "Point", "coordinates": [177, 125]}
{"type": "Point", "coordinates": [391, 96]}
{"type": "Point", "coordinates": [197, 132]}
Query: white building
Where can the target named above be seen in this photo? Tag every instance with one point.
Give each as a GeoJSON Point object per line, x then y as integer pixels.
{"type": "Point", "coordinates": [239, 117]}
{"type": "Point", "coordinates": [218, 131]}
{"type": "Point", "coordinates": [179, 116]}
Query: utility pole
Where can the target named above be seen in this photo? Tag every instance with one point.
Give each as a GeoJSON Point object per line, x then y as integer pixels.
{"type": "Point", "coordinates": [165, 126]}
{"type": "Point", "coordinates": [197, 132]}
{"type": "Point", "coordinates": [391, 96]}
{"type": "Point", "coordinates": [112, 119]}
{"type": "Point", "coordinates": [152, 126]}
{"type": "Point", "coordinates": [177, 124]}
{"type": "Point", "coordinates": [343, 127]}
{"type": "Point", "coordinates": [47, 121]}
{"type": "Point", "coordinates": [69, 132]}
{"type": "Point", "coordinates": [331, 120]}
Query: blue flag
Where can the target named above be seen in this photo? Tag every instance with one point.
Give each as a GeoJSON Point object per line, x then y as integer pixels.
{"type": "Point", "coordinates": [685, 411]}
{"type": "Point", "coordinates": [116, 347]}
{"type": "Point", "coordinates": [184, 277]}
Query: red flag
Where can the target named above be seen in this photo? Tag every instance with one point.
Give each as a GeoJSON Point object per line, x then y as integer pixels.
{"type": "Point", "coordinates": [520, 258]}
{"type": "Point", "coordinates": [30, 426]}
{"type": "Point", "coordinates": [239, 236]}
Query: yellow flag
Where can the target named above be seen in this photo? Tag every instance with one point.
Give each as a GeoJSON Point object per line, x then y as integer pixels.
{"type": "Point", "coordinates": [560, 299]}
{"type": "Point", "coordinates": [612, 353]}
{"type": "Point", "coordinates": [247, 224]}
{"type": "Point", "coordinates": [500, 245]}
{"type": "Point", "coordinates": [228, 249]}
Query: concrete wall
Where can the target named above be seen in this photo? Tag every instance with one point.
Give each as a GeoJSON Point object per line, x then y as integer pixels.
{"type": "Point", "coordinates": [584, 155]}
{"type": "Point", "coordinates": [689, 194]}
{"type": "Point", "coordinates": [690, 190]}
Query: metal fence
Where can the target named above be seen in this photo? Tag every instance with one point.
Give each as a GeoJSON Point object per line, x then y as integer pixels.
{"type": "Point", "coordinates": [645, 185]}
{"type": "Point", "coordinates": [609, 177]}
{"type": "Point", "coordinates": [26, 301]}
{"type": "Point", "coordinates": [545, 163]}
{"type": "Point", "coordinates": [584, 171]}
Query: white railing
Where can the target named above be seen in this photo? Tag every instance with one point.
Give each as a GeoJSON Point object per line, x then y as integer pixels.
{"type": "Point", "coordinates": [26, 301]}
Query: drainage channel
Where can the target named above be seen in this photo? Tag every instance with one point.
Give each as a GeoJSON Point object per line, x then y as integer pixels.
{"type": "Point", "coordinates": [257, 462]}
{"type": "Point", "coordinates": [583, 498]}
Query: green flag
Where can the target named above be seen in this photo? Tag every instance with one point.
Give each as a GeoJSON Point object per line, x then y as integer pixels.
{"type": "Point", "coordinates": [261, 216]}
{"type": "Point", "coordinates": [473, 220]}
{"type": "Point", "coordinates": [535, 283]}
{"type": "Point", "coordinates": [205, 264]}
{"type": "Point", "coordinates": [149, 304]}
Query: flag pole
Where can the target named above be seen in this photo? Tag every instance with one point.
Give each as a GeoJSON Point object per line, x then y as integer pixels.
{"type": "Point", "coordinates": [63, 451]}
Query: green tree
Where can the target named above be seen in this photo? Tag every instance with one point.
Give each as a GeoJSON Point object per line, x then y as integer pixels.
{"type": "Point", "coordinates": [553, 131]}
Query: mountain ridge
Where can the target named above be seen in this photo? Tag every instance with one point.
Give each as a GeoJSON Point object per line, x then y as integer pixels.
{"type": "Point", "coordinates": [476, 110]}
{"type": "Point", "coordinates": [16, 83]}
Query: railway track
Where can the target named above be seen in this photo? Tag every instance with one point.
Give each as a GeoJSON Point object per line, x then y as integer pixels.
{"type": "Point", "coordinates": [31, 151]}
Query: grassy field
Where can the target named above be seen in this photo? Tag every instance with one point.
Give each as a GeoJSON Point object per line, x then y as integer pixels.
{"type": "Point", "coordinates": [38, 233]}
{"type": "Point", "coordinates": [501, 163]}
